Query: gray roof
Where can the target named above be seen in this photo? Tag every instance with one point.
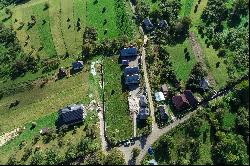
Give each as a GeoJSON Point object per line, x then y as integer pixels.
{"type": "Point", "coordinates": [131, 70]}
{"type": "Point", "coordinates": [133, 79]}
{"type": "Point", "coordinates": [204, 84]}
{"type": "Point", "coordinates": [71, 114]}
{"type": "Point", "coordinates": [163, 113]}
{"type": "Point", "coordinates": [129, 52]}
{"type": "Point", "coordinates": [144, 113]}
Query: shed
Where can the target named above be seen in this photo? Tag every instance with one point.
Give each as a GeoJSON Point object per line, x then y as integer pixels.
{"type": "Point", "coordinates": [125, 62]}
{"type": "Point", "coordinates": [159, 96]}
{"type": "Point", "coordinates": [62, 73]}
{"type": "Point", "coordinates": [143, 113]}
{"type": "Point", "coordinates": [44, 131]}
{"type": "Point", "coordinates": [204, 84]}
{"type": "Point", "coordinates": [78, 65]}
{"type": "Point", "coordinates": [129, 52]}
{"type": "Point", "coordinates": [71, 114]}
{"type": "Point", "coordinates": [163, 24]}
{"type": "Point", "coordinates": [164, 89]}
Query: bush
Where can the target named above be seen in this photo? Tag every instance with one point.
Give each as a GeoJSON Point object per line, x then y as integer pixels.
{"type": "Point", "coordinates": [37, 158]}
{"type": "Point", "coordinates": [27, 153]}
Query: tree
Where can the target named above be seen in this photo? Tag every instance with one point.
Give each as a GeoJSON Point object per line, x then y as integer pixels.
{"type": "Point", "coordinates": [37, 158]}
{"type": "Point", "coordinates": [46, 6]}
{"type": "Point", "coordinates": [52, 157]}
{"type": "Point", "coordinates": [98, 158]}
{"type": "Point", "coordinates": [115, 157]}
{"type": "Point", "coordinates": [136, 151]}
{"type": "Point", "coordinates": [71, 153]}
{"type": "Point", "coordinates": [12, 160]}
{"type": "Point", "coordinates": [197, 74]}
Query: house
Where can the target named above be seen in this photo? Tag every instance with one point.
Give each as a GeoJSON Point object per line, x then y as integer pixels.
{"type": "Point", "coordinates": [164, 90]}
{"type": "Point", "coordinates": [159, 96]}
{"type": "Point", "coordinates": [148, 24]}
{"type": "Point", "coordinates": [78, 65]}
{"type": "Point", "coordinates": [204, 84]}
{"type": "Point", "coordinates": [180, 102]}
{"type": "Point", "coordinates": [143, 101]}
{"type": "Point", "coordinates": [163, 114]}
{"type": "Point", "coordinates": [184, 100]}
{"type": "Point", "coordinates": [62, 73]}
{"type": "Point", "coordinates": [143, 113]}
{"type": "Point", "coordinates": [129, 52]}
{"type": "Point", "coordinates": [163, 24]}
{"type": "Point", "coordinates": [71, 114]}
{"type": "Point", "coordinates": [131, 70]}
{"type": "Point", "coordinates": [190, 97]}
{"type": "Point", "coordinates": [125, 62]}
{"type": "Point", "coordinates": [132, 79]}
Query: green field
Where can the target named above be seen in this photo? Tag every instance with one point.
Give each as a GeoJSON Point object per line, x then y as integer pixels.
{"type": "Point", "coordinates": [119, 123]}
{"type": "Point", "coordinates": [181, 66]}
{"type": "Point", "coordinates": [67, 140]}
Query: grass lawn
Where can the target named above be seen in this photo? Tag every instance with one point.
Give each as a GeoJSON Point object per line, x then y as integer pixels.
{"type": "Point", "coordinates": [95, 18]}
{"type": "Point", "coordinates": [229, 120]}
{"type": "Point", "coordinates": [181, 66]}
{"type": "Point", "coordinates": [186, 7]}
{"type": "Point", "coordinates": [38, 101]}
{"type": "Point", "coordinates": [119, 122]}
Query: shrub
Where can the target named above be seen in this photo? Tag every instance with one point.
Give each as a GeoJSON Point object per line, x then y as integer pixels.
{"type": "Point", "coordinates": [136, 151]}
{"type": "Point", "coordinates": [27, 153]}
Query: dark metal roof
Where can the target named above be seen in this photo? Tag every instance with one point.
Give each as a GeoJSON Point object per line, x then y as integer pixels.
{"type": "Point", "coordinates": [143, 101]}
{"type": "Point", "coordinates": [128, 52]}
{"type": "Point", "coordinates": [77, 65]}
{"type": "Point", "coordinates": [71, 114]}
{"type": "Point", "coordinates": [134, 79]}
{"type": "Point", "coordinates": [131, 70]}
{"type": "Point", "coordinates": [125, 62]}
{"type": "Point", "coordinates": [148, 23]}
{"type": "Point", "coordinates": [143, 113]}
{"type": "Point", "coordinates": [190, 97]}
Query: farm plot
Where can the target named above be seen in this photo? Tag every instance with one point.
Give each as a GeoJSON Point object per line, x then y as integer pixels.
{"type": "Point", "coordinates": [119, 123]}
{"type": "Point", "coordinates": [38, 101]}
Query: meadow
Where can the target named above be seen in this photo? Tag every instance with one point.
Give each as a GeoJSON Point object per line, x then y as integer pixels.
{"type": "Point", "coordinates": [181, 64]}
{"type": "Point", "coordinates": [119, 123]}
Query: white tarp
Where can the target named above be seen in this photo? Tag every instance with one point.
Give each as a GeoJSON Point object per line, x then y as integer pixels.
{"type": "Point", "coordinates": [159, 96]}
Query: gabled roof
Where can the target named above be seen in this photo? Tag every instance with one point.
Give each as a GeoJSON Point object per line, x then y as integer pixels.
{"type": "Point", "coordinates": [132, 79]}
{"type": "Point", "coordinates": [131, 70]}
{"type": "Point", "coordinates": [143, 101]}
{"type": "Point", "coordinates": [190, 97]}
{"type": "Point", "coordinates": [143, 113]}
{"type": "Point", "coordinates": [159, 96]}
{"type": "Point", "coordinates": [71, 114]}
{"type": "Point", "coordinates": [204, 84]}
{"type": "Point", "coordinates": [163, 113]}
{"type": "Point", "coordinates": [129, 52]}
{"type": "Point", "coordinates": [148, 23]}
{"type": "Point", "coordinates": [180, 102]}
{"type": "Point", "coordinates": [77, 65]}
{"type": "Point", "coordinates": [164, 88]}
